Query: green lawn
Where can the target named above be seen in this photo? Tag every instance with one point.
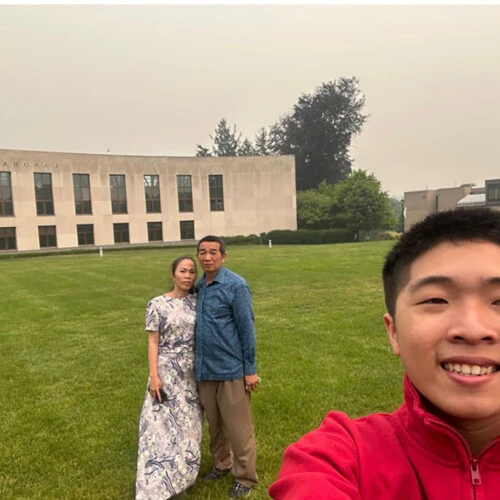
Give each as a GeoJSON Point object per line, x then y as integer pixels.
{"type": "Point", "coordinates": [73, 364]}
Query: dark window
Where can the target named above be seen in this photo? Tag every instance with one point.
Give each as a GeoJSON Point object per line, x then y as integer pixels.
{"type": "Point", "coordinates": [187, 229]}
{"type": "Point", "coordinates": [6, 205]}
{"type": "Point", "coordinates": [216, 193]}
{"type": "Point", "coordinates": [185, 193]}
{"type": "Point", "coordinates": [47, 236]}
{"type": "Point", "coordinates": [81, 189]}
{"type": "Point", "coordinates": [118, 194]}
{"type": "Point", "coordinates": [43, 194]}
{"type": "Point", "coordinates": [155, 231]}
{"type": "Point", "coordinates": [493, 193]}
{"type": "Point", "coordinates": [120, 231]}
{"type": "Point", "coordinates": [8, 238]}
{"type": "Point", "coordinates": [152, 193]}
{"type": "Point", "coordinates": [85, 234]}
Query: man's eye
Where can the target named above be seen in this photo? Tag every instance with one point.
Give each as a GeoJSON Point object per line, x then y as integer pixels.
{"type": "Point", "coordinates": [434, 300]}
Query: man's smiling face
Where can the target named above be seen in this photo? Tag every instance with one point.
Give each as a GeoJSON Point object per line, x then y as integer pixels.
{"type": "Point", "coordinates": [447, 329]}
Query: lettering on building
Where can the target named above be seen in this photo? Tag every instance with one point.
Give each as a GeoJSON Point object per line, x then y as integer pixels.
{"type": "Point", "coordinates": [36, 165]}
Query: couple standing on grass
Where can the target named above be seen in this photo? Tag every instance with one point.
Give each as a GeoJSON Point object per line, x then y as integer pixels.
{"type": "Point", "coordinates": [201, 352]}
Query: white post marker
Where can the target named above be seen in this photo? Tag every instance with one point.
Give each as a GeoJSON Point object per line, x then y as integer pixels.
{"type": "Point", "coordinates": [270, 244]}
{"type": "Point", "coordinates": [100, 251]}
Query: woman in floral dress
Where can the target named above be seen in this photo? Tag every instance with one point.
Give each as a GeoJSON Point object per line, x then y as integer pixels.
{"type": "Point", "coordinates": [171, 421]}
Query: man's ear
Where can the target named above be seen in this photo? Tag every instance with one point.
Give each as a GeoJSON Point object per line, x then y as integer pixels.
{"type": "Point", "coordinates": [392, 334]}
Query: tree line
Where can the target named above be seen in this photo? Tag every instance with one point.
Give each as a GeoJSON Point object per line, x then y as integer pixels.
{"type": "Point", "coordinates": [318, 131]}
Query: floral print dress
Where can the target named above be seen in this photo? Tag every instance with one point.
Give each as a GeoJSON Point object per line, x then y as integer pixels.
{"type": "Point", "coordinates": [170, 432]}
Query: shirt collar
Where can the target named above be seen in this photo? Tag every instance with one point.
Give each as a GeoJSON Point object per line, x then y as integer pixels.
{"type": "Point", "coordinates": [219, 277]}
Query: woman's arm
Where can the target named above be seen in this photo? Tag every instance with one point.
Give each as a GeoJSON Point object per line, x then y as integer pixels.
{"type": "Point", "coordinates": [154, 379]}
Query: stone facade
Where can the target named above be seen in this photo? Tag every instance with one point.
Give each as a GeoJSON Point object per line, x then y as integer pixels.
{"type": "Point", "coordinates": [259, 195]}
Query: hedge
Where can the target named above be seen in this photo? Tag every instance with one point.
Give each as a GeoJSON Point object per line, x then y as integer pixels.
{"type": "Point", "coordinates": [251, 239]}
{"type": "Point", "coordinates": [308, 236]}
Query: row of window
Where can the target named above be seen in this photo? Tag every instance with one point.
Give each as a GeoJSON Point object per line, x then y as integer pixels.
{"type": "Point", "coordinates": [493, 193]}
{"type": "Point", "coordinates": [83, 201]}
{"type": "Point", "coordinates": [47, 235]}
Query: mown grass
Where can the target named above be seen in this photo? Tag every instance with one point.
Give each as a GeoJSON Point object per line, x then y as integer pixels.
{"type": "Point", "coordinates": [73, 363]}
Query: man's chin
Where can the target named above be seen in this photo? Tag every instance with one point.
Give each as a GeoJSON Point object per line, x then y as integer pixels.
{"type": "Point", "coordinates": [461, 410]}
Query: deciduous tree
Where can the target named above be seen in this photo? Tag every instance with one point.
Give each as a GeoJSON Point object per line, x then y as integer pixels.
{"type": "Point", "coordinates": [315, 207]}
{"type": "Point", "coordinates": [319, 131]}
{"type": "Point", "coordinates": [397, 209]}
{"type": "Point", "coordinates": [362, 203]}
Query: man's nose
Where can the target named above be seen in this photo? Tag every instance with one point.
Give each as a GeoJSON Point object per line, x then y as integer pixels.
{"type": "Point", "coordinates": [475, 323]}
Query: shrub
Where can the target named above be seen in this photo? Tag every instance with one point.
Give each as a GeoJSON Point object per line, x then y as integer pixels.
{"type": "Point", "coordinates": [388, 235]}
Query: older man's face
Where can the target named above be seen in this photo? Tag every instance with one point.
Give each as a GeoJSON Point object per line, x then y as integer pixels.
{"type": "Point", "coordinates": [210, 257]}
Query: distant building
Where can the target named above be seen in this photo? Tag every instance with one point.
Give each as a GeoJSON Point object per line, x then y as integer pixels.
{"type": "Point", "coordinates": [473, 200]}
{"type": "Point", "coordinates": [67, 200]}
{"type": "Point", "coordinates": [419, 204]}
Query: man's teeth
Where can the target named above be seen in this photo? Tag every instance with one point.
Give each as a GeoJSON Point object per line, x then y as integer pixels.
{"type": "Point", "coordinates": [473, 370]}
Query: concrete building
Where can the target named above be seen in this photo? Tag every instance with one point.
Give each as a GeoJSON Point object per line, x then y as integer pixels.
{"type": "Point", "coordinates": [66, 200]}
{"type": "Point", "coordinates": [419, 204]}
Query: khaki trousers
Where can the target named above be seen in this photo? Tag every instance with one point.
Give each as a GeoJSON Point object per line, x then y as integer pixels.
{"type": "Point", "coordinates": [230, 424]}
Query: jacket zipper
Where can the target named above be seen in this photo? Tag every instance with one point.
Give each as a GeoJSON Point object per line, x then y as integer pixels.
{"type": "Point", "coordinates": [473, 461]}
{"type": "Point", "coordinates": [474, 467]}
{"type": "Point", "coordinates": [474, 472]}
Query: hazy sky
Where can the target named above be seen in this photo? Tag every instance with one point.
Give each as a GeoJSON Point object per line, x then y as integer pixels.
{"type": "Point", "coordinates": [155, 80]}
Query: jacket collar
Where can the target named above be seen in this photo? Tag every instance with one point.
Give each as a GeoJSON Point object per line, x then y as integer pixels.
{"type": "Point", "coordinates": [432, 435]}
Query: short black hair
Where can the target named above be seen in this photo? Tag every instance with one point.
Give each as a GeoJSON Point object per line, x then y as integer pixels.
{"type": "Point", "coordinates": [453, 226]}
{"type": "Point", "coordinates": [176, 262]}
{"type": "Point", "coordinates": [213, 239]}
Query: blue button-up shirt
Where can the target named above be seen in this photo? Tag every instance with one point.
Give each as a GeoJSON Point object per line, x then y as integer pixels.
{"type": "Point", "coordinates": [225, 332]}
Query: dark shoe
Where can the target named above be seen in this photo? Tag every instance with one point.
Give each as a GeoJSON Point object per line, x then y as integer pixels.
{"type": "Point", "coordinates": [239, 490]}
{"type": "Point", "coordinates": [215, 475]}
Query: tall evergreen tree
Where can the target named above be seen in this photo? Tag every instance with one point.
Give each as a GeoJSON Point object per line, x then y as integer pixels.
{"type": "Point", "coordinates": [262, 146]}
{"type": "Point", "coordinates": [202, 151]}
{"type": "Point", "coordinates": [246, 148]}
{"type": "Point", "coordinates": [226, 141]}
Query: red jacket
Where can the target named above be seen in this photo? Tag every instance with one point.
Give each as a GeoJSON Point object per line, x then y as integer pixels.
{"type": "Point", "coordinates": [409, 454]}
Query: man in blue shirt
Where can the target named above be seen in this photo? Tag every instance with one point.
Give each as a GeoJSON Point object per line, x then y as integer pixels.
{"type": "Point", "coordinates": [225, 366]}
